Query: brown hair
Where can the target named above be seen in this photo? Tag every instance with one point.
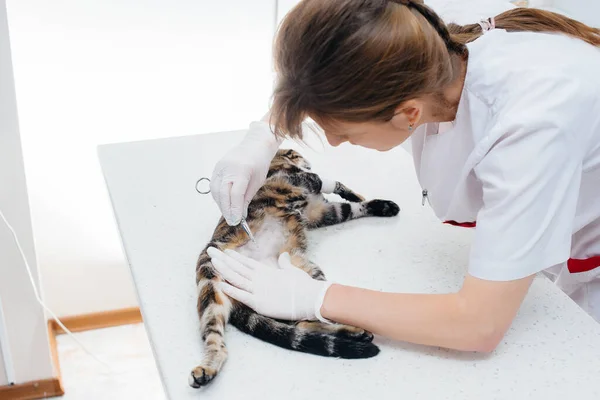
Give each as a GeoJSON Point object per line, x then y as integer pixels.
{"type": "Point", "coordinates": [358, 60]}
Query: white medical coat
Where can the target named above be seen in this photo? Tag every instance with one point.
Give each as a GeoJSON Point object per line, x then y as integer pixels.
{"type": "Point", "coordinates": [521, 161]}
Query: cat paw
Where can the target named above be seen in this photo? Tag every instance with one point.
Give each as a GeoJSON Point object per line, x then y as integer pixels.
{"type": "Point", "coordinates": [345, 193]}
{"type": "Point", "coordinates": [382, 208]}
{"type": "Point", "coordinates": [201, 376]}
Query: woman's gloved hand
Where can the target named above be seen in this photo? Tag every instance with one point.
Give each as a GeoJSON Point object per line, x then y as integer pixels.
{"type": "Point", "coordinates": [286, 292]}
{"type": "Point", "coordinates": [243, 170]}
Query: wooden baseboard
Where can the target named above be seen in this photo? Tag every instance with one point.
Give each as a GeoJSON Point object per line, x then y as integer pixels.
{"type": "Point", "coordinates": [104, 319]}
{"type": "Point", "coordinates": [41, 389]}
{"type": "Point", "coordinates": [33, 390]}
{"type": "Point", "coordinates": [54, 351]}
{"type": "Point", "coordinates": [77, 323]}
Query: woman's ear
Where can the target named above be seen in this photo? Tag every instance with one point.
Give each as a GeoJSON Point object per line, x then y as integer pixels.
{"type": "Point", "coordinates": [408, 114]}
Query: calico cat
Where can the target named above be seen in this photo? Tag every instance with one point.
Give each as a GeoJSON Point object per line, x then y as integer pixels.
{"type": "Point", "coordinates": [289, 203]}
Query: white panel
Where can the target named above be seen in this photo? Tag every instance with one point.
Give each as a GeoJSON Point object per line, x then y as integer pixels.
{"type": "Point", "coordinates": [3, 375]}
{"type": "Point", "coordinates": [25, 322]}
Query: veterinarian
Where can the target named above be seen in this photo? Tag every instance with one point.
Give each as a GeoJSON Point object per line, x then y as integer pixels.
{"type": "Point", "coordinates": [504, 121]}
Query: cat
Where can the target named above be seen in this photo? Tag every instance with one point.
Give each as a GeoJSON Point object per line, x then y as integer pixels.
{"type": "Point", "coordinates": [289, 203]}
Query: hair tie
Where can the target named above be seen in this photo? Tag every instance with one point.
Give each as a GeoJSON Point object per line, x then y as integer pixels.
{"type": "Point", "coordinates": [487, 25]}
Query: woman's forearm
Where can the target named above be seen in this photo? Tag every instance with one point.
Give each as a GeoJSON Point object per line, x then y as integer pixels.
{"type": "Point", "coordinates": [443, 320]}
{"type": "Point", "coordinates": [473, 319]}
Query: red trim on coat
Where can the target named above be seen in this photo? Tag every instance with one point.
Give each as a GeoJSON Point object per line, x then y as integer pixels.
{"type": "Point", "coordinates": [574, 265]}
{"type": "Point", "coordinates": [462, 224]}
{"type": "Point", "coordinates": [577, 265]}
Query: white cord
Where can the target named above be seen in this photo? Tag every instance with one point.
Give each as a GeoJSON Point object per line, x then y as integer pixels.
{"type": "Point", "coordinates": [39, 300]}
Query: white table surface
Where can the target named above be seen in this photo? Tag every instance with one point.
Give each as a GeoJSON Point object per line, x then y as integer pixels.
{"type": "Point", "coordinates": [551, 352]}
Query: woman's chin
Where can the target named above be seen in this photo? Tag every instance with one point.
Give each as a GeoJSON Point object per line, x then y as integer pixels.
{"type": "Point", "coordinates": [383, 149]}
{"type": "Point", "coordinates": [378, 147]}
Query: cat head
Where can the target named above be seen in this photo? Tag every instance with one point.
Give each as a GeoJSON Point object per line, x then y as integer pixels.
{"type": "Point", "coordinates": [288, 157]}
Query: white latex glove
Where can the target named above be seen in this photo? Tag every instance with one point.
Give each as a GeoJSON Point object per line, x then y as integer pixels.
{"type": "Point", "coordinates": [286, 292]}
{"type": "Point", "coordinates": [243, 170]}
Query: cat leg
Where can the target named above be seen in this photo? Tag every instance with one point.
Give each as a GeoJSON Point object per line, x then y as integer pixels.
{"type": "Point", "coordinates": [335, 187]}
{"type": "Point", "coordinates": [296, 244]}
{"type": "Point", "coordinates": [344, 331]}
{"type": "Point", "coordinates": [316, 184]}
{"type": "Point", "coordinates": [319, 212]}
{"type": "Point", "coordinates": [213, 309]}
{"type": "Point", "coordinates": [307, 180]}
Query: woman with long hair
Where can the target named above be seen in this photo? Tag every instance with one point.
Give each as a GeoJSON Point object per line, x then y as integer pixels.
{"type": "Point", "coordinates": [504, 121]}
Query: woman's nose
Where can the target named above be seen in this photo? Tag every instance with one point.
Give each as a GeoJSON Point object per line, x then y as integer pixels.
{"type": "Point", "coordinates": [335, 140]}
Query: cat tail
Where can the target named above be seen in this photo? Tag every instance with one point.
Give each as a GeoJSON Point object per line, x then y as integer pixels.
{"type": "Point", "coordinates": [305, 336]}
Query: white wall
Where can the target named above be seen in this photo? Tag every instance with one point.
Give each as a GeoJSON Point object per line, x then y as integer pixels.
{"type": "Point", "coordinates": [25, 322]}
{"type": "Point", "coordinates": [283, 6]}
{"type": "Point", "coordinates": [90, 72]}
{"type": "Point", "coordinates": [587, 11]}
